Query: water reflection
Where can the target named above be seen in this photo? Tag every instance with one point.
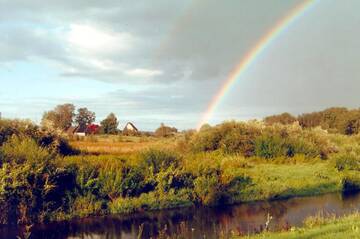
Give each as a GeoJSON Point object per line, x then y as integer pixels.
{"type": "Point", "coordinates": [197, 222]}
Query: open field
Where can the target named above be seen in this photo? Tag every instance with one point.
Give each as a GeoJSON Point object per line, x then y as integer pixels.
{"type": "Point", "coordinates": [275, 181]}
{"type": "Point", "coordinates": [115, 144]}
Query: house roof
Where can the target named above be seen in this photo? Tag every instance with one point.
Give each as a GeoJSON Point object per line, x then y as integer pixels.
{"type": "Point", "coordinates": [75, 129]}
{"type": "Point", "coordinates": [132, 125]}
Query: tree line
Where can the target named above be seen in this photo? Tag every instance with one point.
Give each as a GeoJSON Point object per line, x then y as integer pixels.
{"type": "Point", "coordinates": [64, 116]}
{"type": "Point", "coordinates": [335, 120]}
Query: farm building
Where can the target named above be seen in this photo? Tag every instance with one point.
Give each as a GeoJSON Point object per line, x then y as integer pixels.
{"type": "Point", "coordinates": [81, 131]}
{"type": "Point", "coordinates": [76, 131]}
{"type": "Point", "coordinates": [130, 129]}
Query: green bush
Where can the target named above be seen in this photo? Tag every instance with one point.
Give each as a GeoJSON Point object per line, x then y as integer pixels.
{"type": "Point", "coordinates": [238, 141]}
{"type": "Point", "coordinates": [207, 189]}
{"type": "Point", "coordinates": [157, 160]}
{"type": "Point", "coordinates": [32, 188]}
{"type": "Point", "coordinates": [257, 139]}
{"type": "Point", "coordinates": [52, 140]}
{"type": "Point", "coordinates": [206, 140]}
{"type": "Point", "coordinates": [270, 147]}
{"type": "Point", "coordinates": [109, 177]}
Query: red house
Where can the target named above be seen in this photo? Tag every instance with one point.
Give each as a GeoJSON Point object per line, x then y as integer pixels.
{"type": "Point", "coordinates": [92, 129]}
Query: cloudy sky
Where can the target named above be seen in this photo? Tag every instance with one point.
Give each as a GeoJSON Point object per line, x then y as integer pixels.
{"type": "Point", "coordinates": [162, 61]}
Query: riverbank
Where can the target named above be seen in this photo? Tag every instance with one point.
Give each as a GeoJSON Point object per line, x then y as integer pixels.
{"type": "Point", "coordinates": [240, 180]}
{"type": "Point", "coordinates": [199, 222]}
{"type": "Point", "coordinates": [318, 227]}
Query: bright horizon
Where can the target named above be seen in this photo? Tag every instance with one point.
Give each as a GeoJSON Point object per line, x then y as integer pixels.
{"type": "Point", "coordinates": [165, 62]}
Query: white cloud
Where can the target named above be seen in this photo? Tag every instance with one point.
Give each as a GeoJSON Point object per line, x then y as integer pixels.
{"type": "Point", "coordinates": [94, 40]}
{"type": "Point", "coordinates": [143, 72]}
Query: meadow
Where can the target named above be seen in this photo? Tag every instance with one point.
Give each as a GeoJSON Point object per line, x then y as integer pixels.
{"type": "Point", "coordinates": [113, 144]}
{"type": "Point", "coordinates": [47, 176]}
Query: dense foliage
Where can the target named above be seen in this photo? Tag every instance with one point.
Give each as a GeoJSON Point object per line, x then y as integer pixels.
{"type": "Point", "coordinates": [336, 120]}
{"type": "Point", "coordinates": [165, 131]}
{"type": "Point", "coordinates": [61, 117]}
{"type": "Point", "coordinates": [50, 139]}
{"type": "Point", "coordinates": [110, 124]}
{"type": "Point", "coordinates": [32, 188]}
{"type": "Point", "coordinates": [84, 117]}
{"type": "Point", "coordinates": [257, 139]}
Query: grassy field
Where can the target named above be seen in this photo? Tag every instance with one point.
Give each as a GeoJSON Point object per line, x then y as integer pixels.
{"type": "Point", "coordinates": [275, 181]}
{"type": "Point", "coordinates": [114, 144]}
{"type": "Point", "coordinates": [346, 227]}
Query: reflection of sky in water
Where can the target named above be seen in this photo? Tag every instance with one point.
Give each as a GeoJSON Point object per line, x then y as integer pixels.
{"type": "Point", "coordinates": [197, 223]}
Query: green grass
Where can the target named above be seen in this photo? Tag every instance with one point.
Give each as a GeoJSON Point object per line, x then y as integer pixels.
{"type": "Point", "coordinates": [275, 181]}
{"type": "Point", "coordinates": [346, 227]}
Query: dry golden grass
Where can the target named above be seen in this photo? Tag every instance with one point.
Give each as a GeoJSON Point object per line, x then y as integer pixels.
{"type": "Point", "coordinates": [110, 147]}
{"type": "Point", "coordinates": [116, 145]}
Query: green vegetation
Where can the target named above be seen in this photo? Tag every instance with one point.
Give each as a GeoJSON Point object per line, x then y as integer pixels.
{"type": "Point", "coordinates": [43, 178]}
{"type": "Point", "coordinates": [320, 228]}
{"type": "Point", "coordinates": [165, 131]}
{"type": "Point", "coordinates": [59, 118]}
{"type": "Point", "coordinates": [110, 124]}
{"type": "Point", "coordinates": [84, 118]}
{"type": "Point", "coordinates": [32, 188]}
{"type": "Point", "coordinates": [336, 120]}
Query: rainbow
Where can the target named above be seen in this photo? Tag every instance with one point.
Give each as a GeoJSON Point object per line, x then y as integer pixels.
{"type": "Point", "coordinates": [254, 53]}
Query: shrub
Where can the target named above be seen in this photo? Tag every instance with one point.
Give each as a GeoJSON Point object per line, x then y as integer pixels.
{"type": "Point", "coordinates": [109, 177]}
{"type": "Point", "coordinates": [32, 188]}
{"type": "Point", "coordinates": [268, 146]}
{"type": "Point", "coordinates": [165, 131]}
{"type": "Point", "coordinates": [207, 189]}
{"type": "Point", "coordinates": [157, 160]}
{"type": "Point", "coordinates": [206, 140]}
{"type": "Point", "coordinates": [52, 140]}
{"type": "Point", "coordinates": [238, 141]}
{"type": "Point", "coordinates": [258, 139]}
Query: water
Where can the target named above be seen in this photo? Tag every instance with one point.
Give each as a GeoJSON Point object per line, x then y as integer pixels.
{"type": "Point", "coordinates": [197, 222]}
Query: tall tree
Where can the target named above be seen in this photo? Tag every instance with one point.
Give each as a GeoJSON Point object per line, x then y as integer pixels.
{"type": "Point", "coordinates": [165, 131]}
{"type": "Point", "coordinates": [84, 117]}
{"type": "Point", "coordinates": [109, 124]}
{"type": "Point", "coordinates": [60, 118]}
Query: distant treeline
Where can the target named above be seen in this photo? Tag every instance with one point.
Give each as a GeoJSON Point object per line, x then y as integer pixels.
{"type": "Point", "coordinates": [64, 116]}
{"type": "Point", "coordinates": [335, 120]}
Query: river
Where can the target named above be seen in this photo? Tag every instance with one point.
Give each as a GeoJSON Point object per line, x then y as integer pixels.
{"type": "Point", "coordinates": [200, 222]}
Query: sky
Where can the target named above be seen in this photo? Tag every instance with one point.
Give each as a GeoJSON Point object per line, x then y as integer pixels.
{"type": "Point", "coordinates": [161, 61]}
